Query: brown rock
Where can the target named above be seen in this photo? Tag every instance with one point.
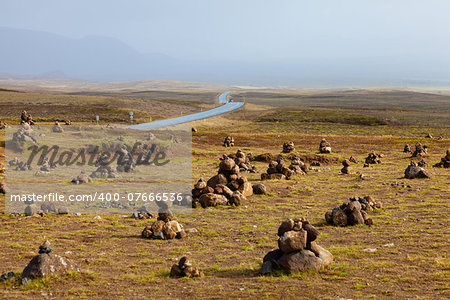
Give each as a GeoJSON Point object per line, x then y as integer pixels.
{"type": "Point", "coordinates": [287, 225]}
{"type": "Point", "coordinates": [300, 261]}
{"type": "Point", "coordinates": [227, 164]}
{"type": "Point", "coordinates": [174, 225]}
{"type": "Point", "coordinates": [217, 179]}
{"type": "Point", "coordinates": [169, 234]}
{"type": "Point", "coordinates": [355, 218]}
{"type": "Point", "coordinates": [246, 189]}
{"type": "Point", "coordinates": [339, 218]}
{"type": "Point", "coordinates": [181, 234]}
{"type": "Point", "coordinates": [157, 226]}
{"type": "Point", "coordinates": [292, 240]}
{"type": "Point", "coordinates": [165, 216]}
{"type": "Point", "coordinates": [210, 199]}
{"type": "Point", "coordinates": [312, 232]}
{"type": "Point", "coordinates": [237, 199]}
{"type": "Point", "coordinates": [175, 271]}
{"type": "Point", "coordinates": [48, 264]}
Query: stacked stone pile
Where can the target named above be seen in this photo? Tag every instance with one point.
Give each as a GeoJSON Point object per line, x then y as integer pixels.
{"type": "Point", "coordinates": [164, 228]}
{"type": "Point", "coordinates": [298, 250]}
{"type": "Point", "coordinates": [346, 164]}
{"type": "Point", "coordinates": [184, 268]}
{"type": "Point", "coordinates": [373, 158]}
{"type": "Point", "coordinates": [228, 187]}
{"type": "Point", "coordinates": [278, 169]}
{"type": "Point", "coordinates": [324, 146]}
{"type": "Point", "coordinates": [421, 150]}
{"type": "Point", "coordinates": [24, 134]}
{"type": "Point", "coordinates": [288, 147]}
{"type": "Point", "coordinates": [104, 170]}
{"type": "Point", "coordinates": [20, 165]}
{"type": "Point", "coordinates": [445, 161]}
{"type": "Point", "coordinates": [228, 141]}
{"type": "Point", "coordinates": [353, 212]}
{"type": "Point", "coordinates": [243, 162]}
{"type": "Point", "coordinates": [57, 128]}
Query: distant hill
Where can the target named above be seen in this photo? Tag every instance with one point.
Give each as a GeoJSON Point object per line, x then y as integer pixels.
{"type": "Point", "coordinates": [92, 57]}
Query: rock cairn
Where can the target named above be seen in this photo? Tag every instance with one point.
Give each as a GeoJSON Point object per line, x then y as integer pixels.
{"type": "Point", "coordinates": [24, 134]}
{"type": "Point", "coordinates": [445, 161]}
{"type": "Point", "coordinates": [104, 170]}
{"type": "Point", "coordinates": [57, 128]}
{"type": "Point", "coordinates": [324, 146]}
{"type": "Point", "coordinates": [288, 147]}
{"type": "Point", "coordinates": [421, 150]}
{"type": "Point", "coordinates": [414, 171]}
{"type": "Point", "coordinates": [353, 212]}
{"type": "Point", "coordinates": [26, 118]}
{"type": "Point", "coordinates": [353, 160]}
{"type": "Point", "coordinates": [164, 228]}
{"type": "Point", "coordinates": [228, 187]}
{"type": "Point", "coordinates": [242, 161]}
{"type": "Point", "coordinates": [126, 162]}
{"type": "Point", "coordinates": [298, 250]}
{"type": "Point", "coordinates": [346, 164]}
{"type": "Point", "coordinates": [47, 264]}
{"type": "Point", "coordinates": [82, 178]}
{"type": "Point", "coordinates": [278, 169]}
{"type": "Point", "coordinates": [20, 165]}
{"type": "Point", "coordinates": [228, 141]}
{"type": "Point", "coordinates": [184, 268]}
{"type": "Point", "coordinates": [373, 158]}
{"type": "Point", "coordinates": [407, 149]}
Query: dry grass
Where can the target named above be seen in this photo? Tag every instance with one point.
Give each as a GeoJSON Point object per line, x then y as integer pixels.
{"type": "Point", "coordinates": [231, 242]}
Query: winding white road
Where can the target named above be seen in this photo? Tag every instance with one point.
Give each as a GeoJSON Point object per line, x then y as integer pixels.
{"type": "Point", "coordinates": [226, 107]}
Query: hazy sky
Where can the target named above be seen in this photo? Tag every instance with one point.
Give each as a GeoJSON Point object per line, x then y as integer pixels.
{"type": "Point", "coordinates": [251, 30]}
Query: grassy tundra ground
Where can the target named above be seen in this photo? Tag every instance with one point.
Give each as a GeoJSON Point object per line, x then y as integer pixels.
{"type": "Point", "coordinates": [231, 242]}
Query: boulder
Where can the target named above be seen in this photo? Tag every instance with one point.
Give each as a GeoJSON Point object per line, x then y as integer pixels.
{"type": "Point", "coordinates": [48, 264]}
{"type": "Point", "coordinates": [413, 171]}
{"type": "Point", "coordinates": [300, 261]}
{"type": "Point", "coordinates": [259, 189]}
